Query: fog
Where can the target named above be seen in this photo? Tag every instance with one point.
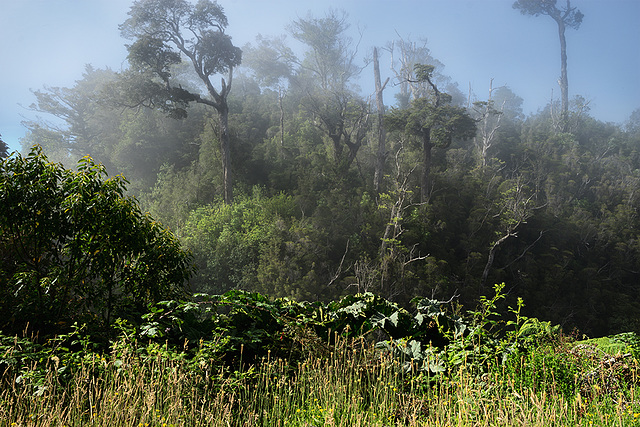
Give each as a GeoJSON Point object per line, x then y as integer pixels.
{"type": "Point", "coordinates": [49, 43]}
{"type": "Point", "coordinates": [284, 171]}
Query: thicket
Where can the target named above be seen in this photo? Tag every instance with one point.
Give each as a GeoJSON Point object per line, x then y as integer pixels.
{"type": "Point", "coordinates": [332, 198]}
{"type": "Point", "coordinates": [75, 249]}
{"type": "Point", "coordinates": [99, 328]}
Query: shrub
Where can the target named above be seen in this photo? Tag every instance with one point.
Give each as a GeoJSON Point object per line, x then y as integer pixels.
{"type": "Point", "coordinates": [73, 247]}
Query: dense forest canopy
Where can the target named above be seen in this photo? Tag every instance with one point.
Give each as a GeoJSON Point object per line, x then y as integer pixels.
{"type": "Point", "coordinates": [471, 191]}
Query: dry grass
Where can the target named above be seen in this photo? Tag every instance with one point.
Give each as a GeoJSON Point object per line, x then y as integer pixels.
{"type": "Point", "coordinates": [347, 388]}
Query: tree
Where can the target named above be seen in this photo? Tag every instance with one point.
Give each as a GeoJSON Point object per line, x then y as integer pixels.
{"type": "Point", "coordinates": [381, 154]}
{"type": "Point", "coordinates": [405, 55]}
{"type": "Point", "coordinates": [633, 123]}
{"type": "Point", "coordinates": [165, 32]}
{"type": "Point", "coordinates": [81, 124]}
{"type": "Point", "coordinates": [435, 121]}
{"type": "Point", "coordinates": [272, 64]}
{"type": "Point", "coordinates": [394, 257]}
{"type": "Point", "coordinates": [489, 119]}
{"type": "Point", "coordinates": [79, 120]}
{"type": "Point", "coordinates": [514, 207]}
{"type": "Point", "coordinates": [74, 248]}
{"type": "Point", "coordinates": [325, 77]}
{"type": "Point", "coordinates": [4, 148]}
{"type": "Point", "coordinates": [565, 17]}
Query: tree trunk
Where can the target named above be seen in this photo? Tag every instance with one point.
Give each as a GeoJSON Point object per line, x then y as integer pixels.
{"type": "Point", "coordinates": [381, 155]}
{"type": "Point", "coordinates": [280, 104]}
{"type": "Point", "coordinates": [490, 258]}
{"type": "Point", "coordinates": [564, 80]}
{"type": "Point", "coordinates": [336, 139]}
{"type": "Point", "coordinates": [426, 166]}
{"type": "Point", "coordinates": [225, 151]}
{"type": "Point", "coordinates": [353, 151]}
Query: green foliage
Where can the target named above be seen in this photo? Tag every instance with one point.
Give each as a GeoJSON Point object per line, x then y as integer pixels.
{"type": "Point", "coordinates": [251, 350]}
{"type": "Point", "coordinates": [84, 119]}
{"type": "Point", "coordinates": [164, 34]}
{"type": "Point", "coordinates": [552, 214]}
{"type": "Point", "coordinates": [246, 326]}
{"type": "Point", "coordinates": [546, 369]}
{"type": "Point", "coordinates": [571, 16]}
{"type": "Point", "coordinates": [233, 329]}
{"type": "Point", "coordinates": [631, 342]}
{"type": "Point", "coordinates": [623, 343]}
{"type": "Point", "coordinates": [441, 123]}
{"type": "Point", "coordinates": [157, 27]}
{"type": "Point", "coordinates": [437, 341]}
{"type": "Point", "coordinates": [230, 241]}
{"type": "Point", "coordinates": [74, 248]}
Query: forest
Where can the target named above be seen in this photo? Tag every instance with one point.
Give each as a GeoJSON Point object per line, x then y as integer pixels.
{"type": "Point", "coordinates": [287, 180]}
{"type": "Point", "coordinates": [220, 235]}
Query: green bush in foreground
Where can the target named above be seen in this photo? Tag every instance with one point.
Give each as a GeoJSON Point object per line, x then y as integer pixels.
{"type": "Point", "coordinates": [73, 247]}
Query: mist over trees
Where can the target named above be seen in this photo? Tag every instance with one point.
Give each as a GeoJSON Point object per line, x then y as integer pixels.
{"type": "Point", "coordinates": [564, 16]}
{"type": "Point", "coordinates": [438, 193]}
{"type": "Point", "coordinates": [165, 32]}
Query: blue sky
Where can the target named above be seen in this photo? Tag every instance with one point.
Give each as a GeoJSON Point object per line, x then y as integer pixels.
{"type": "Point", "coordinates": [48, 42]}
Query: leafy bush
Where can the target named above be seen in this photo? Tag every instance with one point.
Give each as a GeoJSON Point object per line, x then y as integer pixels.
{"type": "Point", "coordinates": [242, 327]}
{"type": "Point", "coordinates": [73, 247]}
{"type": "Point", "coordinates": [258, 244]}
{"type": "Point", "coordinates": [226, 239]}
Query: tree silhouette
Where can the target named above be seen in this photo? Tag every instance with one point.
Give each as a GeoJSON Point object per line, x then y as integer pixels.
{"type": "Point", "coordinates": [165, 32]}
{"type": "Point", "coordinates": [566, 16]}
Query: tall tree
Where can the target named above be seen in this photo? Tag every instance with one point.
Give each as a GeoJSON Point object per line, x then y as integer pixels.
{"type": "Point", "coordinates": [4, 148]}
{"type": "Point", "coordinates": [77, 123]}
{"type": "Point", "coordinates": [165, 32]}
{"type": "Point", "coordinates": [633, 123]}
{"type": "Point", "coordinates": [382, 151]}
{"type": "Point", "coordinates": [326, 78]}
{"type": "Point", "coordinates": [271, 64]}
{"type": "Point", "coordinates": [405, 55]}
{"type": "Point", "coordinates": [489, 119]}
{"type": "Point", "coordinates": [434, 121]}
{"type": "Point", "coordinates": [566, 16]}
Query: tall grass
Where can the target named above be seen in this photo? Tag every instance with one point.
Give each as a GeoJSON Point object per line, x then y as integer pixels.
{"type": "Point", "coordinates": [353, 386]}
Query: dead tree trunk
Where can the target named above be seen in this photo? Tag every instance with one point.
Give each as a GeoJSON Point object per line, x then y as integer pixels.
{"type": "Point", "coordinates": [382, 153]}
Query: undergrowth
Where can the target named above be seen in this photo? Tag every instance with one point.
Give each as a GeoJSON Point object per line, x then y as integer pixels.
{"type": "Point", "coordinates": [243, 360]}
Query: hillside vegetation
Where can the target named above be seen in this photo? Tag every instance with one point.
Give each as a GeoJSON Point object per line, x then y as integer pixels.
{"type": "Point", "coordinates": [98, 327]}
{"type": "Point", "coordinates": [318, 192]}
{"type": "Point", "coordinates": [282, 250]}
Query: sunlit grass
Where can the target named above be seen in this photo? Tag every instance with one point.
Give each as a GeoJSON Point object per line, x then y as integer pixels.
{"type": "Point", "coordinates": [349, 387]}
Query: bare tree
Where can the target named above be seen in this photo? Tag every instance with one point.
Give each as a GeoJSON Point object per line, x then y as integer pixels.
{"type": "Point", "coordinates": [393, 256]}
{"type": "Point", "coordinates": [514, 207]}
{"type": "Point", "coordinates": [489, 119]}
{"type": "Point", "coordinates": [381, 155]}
